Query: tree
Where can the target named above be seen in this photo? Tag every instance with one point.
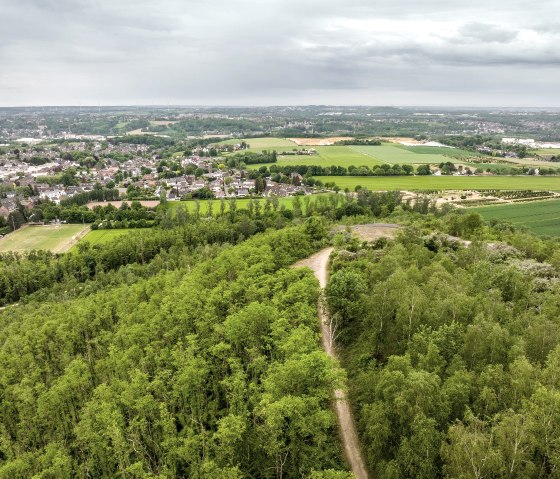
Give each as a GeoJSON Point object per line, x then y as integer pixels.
{"type": "Point", "coordinates": [470, 450]}
{"type": "Point", "coordinates": [343, 292]}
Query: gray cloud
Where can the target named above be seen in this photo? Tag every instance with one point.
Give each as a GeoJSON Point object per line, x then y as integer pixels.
{"type": "Point", "coordinates": [485, 32]}
{"type": "Point", "coordinates": [279, 51]}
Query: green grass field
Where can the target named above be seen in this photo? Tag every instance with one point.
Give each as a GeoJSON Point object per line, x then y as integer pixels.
{"type": "Point", "coordinates": [392, 153]}
{"type": "Point", "coordinates": [542, 217]}
{"type": "Point", "coordinates": [389, 153]}
{"type": "Point", "coordinates": [329, 156]}
{"type": "Point", "coordinates": [446, 182]}
{"type": "Point", "coordinates": [53, 238]}
{"type": "Point", "coordinates": [105, 236]}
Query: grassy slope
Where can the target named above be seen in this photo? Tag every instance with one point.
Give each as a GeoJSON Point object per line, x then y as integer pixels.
{"type": "Point", "coordinates": [447, 182]}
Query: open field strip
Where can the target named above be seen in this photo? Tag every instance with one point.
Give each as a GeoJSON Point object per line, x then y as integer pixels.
{"type": "Point", "coordinates": [542, 217]}
{"type": "Point", "coordinates": [551, 183]}
{"type": "Point", "coordinates": [53, 238]}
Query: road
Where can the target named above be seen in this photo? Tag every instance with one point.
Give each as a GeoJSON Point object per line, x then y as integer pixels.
{"type": "Point", "coordinates": [319, 264]}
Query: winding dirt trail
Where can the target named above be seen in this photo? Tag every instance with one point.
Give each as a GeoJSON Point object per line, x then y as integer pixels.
{"type": "Point", "coordinates": [319, 263]}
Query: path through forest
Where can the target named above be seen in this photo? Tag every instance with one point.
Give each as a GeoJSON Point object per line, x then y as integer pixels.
{"type": "Point", "coordinates": [319, 264]}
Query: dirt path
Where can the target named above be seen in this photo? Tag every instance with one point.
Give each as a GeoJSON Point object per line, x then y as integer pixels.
{"type": "Point", "coordinates": [319, 263]}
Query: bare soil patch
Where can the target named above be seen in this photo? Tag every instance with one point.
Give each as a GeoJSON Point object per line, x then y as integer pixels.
{"type": "Point", "coordinates": [373, 231]}
{"type": "Point", "coordinates": [399, 139]}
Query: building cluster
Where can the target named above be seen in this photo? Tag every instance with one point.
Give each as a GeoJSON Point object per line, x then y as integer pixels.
{"type": "Point", "coordinates": [23, 182]}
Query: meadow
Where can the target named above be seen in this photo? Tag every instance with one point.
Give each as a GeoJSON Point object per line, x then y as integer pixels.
{"type": "Point", "coordinates": [542, 217]}
{"type": "Point", "coordinates": [56, 239]}
{"type": "Point", "coordinates": [105, 236]}
{"type": "Point", "coordinates": [446, 182]}
{"type": "Point", "coordinates": [392, 153]}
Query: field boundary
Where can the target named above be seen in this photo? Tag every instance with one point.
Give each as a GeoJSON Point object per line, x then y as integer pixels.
{"type": "Point", "coordinates": [72, 241]}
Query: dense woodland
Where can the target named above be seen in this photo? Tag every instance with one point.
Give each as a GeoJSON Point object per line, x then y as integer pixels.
{"type": "Point", "coordinates": [212, 369]}
{"type": "Point", "coordinates": [452, 351]}
{"type": "Point", "coordinates": [192, 349]}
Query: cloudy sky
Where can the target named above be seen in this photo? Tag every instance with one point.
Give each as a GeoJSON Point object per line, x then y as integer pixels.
{"type": "Point", "coordinates": [272, 52]}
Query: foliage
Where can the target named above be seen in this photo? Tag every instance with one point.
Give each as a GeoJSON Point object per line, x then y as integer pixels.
{"type": "Point", "coordinates": [213, 369]}
{"type": "Point", "coordinates": [453, 351]}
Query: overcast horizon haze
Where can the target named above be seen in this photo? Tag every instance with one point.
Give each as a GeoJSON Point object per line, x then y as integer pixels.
{"type": "Point", "coordinates": [247, 53]}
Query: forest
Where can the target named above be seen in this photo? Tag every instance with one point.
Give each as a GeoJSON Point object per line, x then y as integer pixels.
{"type": "Point", "coordinates": [193, 350]}
{"type": "Point", "coordinates": [452, 350]}
{"type": "Point", "coordinates": [210, 369]}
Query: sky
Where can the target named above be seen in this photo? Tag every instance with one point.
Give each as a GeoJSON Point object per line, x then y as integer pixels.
{"type": "Point", "coordinates": [280, 52]}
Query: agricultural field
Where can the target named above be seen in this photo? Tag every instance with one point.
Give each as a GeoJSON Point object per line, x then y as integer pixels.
{"type": "Point", "coordinates": [551, 183]}
{"type": "Point", "coordinates": [532, 162]}
{"type": "Point", "coordinates": [105, 236]}
{"type": "Point", "coordinates": [546, 152]}
{"type": "Point", "coordinates": [56, 239]}
{"type": "Point", "coordinates": [392, 153]}
{"type": "Point", "coordinates": [329, 156]}
{"type": "Point", "coordinates": [241, 204]}
{"type": "Point", "coordinates": [542, 217]}
{"type": "Point", "coordinates": [389, 153]}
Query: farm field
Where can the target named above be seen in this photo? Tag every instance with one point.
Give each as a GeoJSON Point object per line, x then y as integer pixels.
{"type": "Point", "coordinates": [329, 156]}
{"type": "Point", "coordinates": [542, 217]}
{"type": "Point", "coordinates": [240, 203]}
{"type": "Point", "coordinates": [546, 151]}
{"type": "Point", "coordinates": [532, 162]}
{"type": "Point", "coordinates": [446, 182]}
{"type": "Point", "coordinates": [392, 153]}
{"type": "Point", "coordinates": [56, 239]}
{"type": "Point", "coordinates": [389, 153]}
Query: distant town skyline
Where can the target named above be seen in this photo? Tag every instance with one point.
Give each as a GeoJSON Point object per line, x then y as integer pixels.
{"type": "Point", "coordinates": [433, 53]}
